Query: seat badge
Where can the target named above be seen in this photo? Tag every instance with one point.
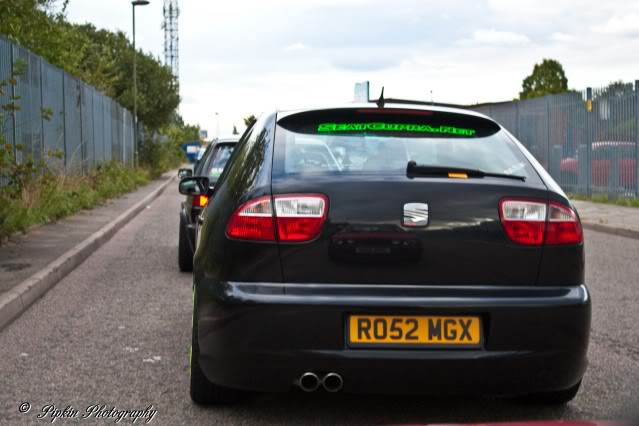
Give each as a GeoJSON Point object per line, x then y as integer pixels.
{"type": "Point", "coordinates": [415, 215]}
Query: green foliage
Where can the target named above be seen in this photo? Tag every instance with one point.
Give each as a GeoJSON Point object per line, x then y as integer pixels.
{"type": "Point", "coordinates": [547, 78]}
{"type": "Point", "coordinates": [34, 193]}
{"type": "Point", "coordinates": [9, 103]}
{"type": "Point", "coordinates": [249, 120]}
{"type": "Point", "coordinates": [604, 199]}
{"type": "Point", "coordinates": [44, 197]}
{"type": "Point", "coordinates": [614, 101]}
{"type": "Point", "coordinates": [158, 155]}
{"type": "Point", "coordinates": [616, 89]}
{"type": "Point", "coordinates": [101, 58]}
{"type": "Point", "coordinates": [178, 132]}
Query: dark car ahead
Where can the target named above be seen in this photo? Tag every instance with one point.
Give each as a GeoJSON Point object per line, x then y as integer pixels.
{"type": "Point", "coordinates": [387, 250]}
{"type": "Point", "coordinates": [210, 166]}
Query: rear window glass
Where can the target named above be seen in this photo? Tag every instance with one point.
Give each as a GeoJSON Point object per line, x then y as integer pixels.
{"type": "Point", "coordinates": [219, 157]}
{"type": "Point", "coordinates": [383, 141]}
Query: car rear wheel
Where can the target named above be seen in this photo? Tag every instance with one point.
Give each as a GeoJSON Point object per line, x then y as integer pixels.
{"type": "Point", "coordinates": [185, 255]}
{"type": "Point", "coordinates": [202, 391]}
{"type": "Point", "coordinates": [557, 397]}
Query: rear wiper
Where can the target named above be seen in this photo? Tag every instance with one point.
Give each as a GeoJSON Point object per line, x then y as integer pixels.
{"type": "Point", "coordinates": [418, 170]}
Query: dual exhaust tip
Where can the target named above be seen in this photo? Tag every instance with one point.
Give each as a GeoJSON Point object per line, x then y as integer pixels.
{"type": "Point", "coordinates": [310, 382]}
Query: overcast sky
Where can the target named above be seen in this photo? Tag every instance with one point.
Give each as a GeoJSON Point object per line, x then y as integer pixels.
{"type": "Point", "coordinates": [244, 57]}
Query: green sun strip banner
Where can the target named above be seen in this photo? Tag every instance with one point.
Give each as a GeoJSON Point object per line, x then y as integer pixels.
{"type": "Point", "coordinates": [393, 127]}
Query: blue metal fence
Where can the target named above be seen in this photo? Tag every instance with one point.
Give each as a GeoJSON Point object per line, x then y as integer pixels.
{"type": "Point", "coordinates": [88, 127]}
{"type": "Point", "coordinates": [588, 141]}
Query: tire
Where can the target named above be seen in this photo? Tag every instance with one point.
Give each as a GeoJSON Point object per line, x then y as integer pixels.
{"type": "Point", "coordinates": [185, 254]}
{"type": "Point", "coordinates": [202, 391]}
{"type": "Point", "coordinates": [557, 397]}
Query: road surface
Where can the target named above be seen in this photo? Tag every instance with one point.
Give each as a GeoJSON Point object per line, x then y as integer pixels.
{"type": "Point", "coordinates": [116, 332]}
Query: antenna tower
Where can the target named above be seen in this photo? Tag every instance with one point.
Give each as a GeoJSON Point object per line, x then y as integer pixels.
{"type": "Point", "coordinates": [171, 37]}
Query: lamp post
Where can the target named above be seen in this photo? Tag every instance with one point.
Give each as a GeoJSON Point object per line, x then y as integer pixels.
{"type": "Point", "coordinates": [135, 84]}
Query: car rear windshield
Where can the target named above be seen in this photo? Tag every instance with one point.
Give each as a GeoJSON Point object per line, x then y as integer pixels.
{"type": "Point", "coordinates": [219, 157]}
{"type": "Point", "coordinates": [383, 141]}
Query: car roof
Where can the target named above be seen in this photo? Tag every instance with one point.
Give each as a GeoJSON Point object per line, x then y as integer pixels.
{"type": "Point", "coordinates": [281, 113]}
{"type": "Point", "coordinates": [231, 139]}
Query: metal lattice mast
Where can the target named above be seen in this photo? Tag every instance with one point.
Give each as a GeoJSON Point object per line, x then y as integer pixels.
{"type": "Point", "coordinates": [171, 37]}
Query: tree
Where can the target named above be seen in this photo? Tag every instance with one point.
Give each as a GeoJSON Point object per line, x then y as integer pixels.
{"type": "Point", "coordinates": [249, 120]}
{"type": "Point", "coordinates": [235, 132]}
{"type": "Point", "coordinates": [36, 25]}
{"type": "Point", "coordinates": [547, 78]}
{"type": "Point", "coordinates": [616, 89]}
{"type": "Point", "coordinates": [101, 58]}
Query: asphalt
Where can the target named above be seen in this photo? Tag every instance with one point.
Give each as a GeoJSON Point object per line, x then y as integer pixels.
{"type": "Point", "coordinates": [116, 331]}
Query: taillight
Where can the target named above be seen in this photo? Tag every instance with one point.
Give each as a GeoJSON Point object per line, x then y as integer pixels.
{"type": "Point", "coordinates": [533, 222]}
{"type": "Point", "coordinates": [253, 221]}
{"type": "Point", "coordinates": [300, 217]}
{"type": "Point", "coordinates": [563, 226]}
{"type": "Point", "coordinates": [524, 221]}
{"type": "Point", "coordinates": [200, 201]}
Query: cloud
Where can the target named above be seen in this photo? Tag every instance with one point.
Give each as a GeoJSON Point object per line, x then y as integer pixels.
{"type": "Point", "coordinates": [562, 37]}
{"type": "Point", "coordinates": [291, 53]}
{"type": "Point", "coordinates": [531, 10]}
{"type": "Point", "coordinates": [296, 46]}
{"type": "Point", "coordinates": [365, 63]}
{"type": "Point", "coordinates": [627, 25]}
{"type": "Point", "coordinates": [493, 37]}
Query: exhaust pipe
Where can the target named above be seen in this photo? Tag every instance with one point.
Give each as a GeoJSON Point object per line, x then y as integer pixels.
{"type": "Point", "coordinates": [309, 382]}
{"type": "Point", "coordinates": [332, 382]}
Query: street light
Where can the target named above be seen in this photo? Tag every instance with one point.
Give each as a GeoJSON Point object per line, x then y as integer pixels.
{"type": "Point", "coordinates": [135, 84]}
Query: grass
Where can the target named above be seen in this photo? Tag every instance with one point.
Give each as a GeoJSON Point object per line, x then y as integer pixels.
{"type": "Point", "coordinates": [50, 198]}
{"type": "Point", "coordinates": [603, 198]}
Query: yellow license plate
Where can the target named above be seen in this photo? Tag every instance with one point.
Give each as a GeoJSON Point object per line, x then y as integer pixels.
{"type": "Point", "coordinates": [432, 331]}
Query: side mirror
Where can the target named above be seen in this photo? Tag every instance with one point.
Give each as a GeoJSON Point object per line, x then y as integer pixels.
{"type": "Point", "coordinates": [198, 185]}
{"type": "Point", "coordinates": [182, 173]}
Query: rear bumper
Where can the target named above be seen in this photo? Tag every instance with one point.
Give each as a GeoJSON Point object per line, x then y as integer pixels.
{"type": "Point", "coordinates": [262, 337]}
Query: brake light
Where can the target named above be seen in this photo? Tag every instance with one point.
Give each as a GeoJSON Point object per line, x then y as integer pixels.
{"type": "Point", "coordinates": [200, 201]}
{"type": "Point", "coordinates": [563, 226]}
{"type": "Point", "coordinates": [253, 221]}
{"type": "Point", "coordinates": [300, 217]}
{"type": "Point", "coordinates": [533, 222]}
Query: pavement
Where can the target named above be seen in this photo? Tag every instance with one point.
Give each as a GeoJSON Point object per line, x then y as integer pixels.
{"type": "Point", "coordinates": [116, 331]}
{"type": "Point", "coordinates": [616, 220]}
{"type": "Point", "coordinates": [31, 264]}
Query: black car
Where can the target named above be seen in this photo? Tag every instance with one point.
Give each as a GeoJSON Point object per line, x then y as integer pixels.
{"type": "Point", "coordinates": [210, 166]}
{"type": "Point", "coordinates": [387, 250]}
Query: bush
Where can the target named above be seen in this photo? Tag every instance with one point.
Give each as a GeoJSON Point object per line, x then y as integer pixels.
{"type": "Point", "coordinates": [603, 198]}
{"type": "Point", "coordinates": [159, 156]}
{"type": "Point", "coordinates": [45, 197]}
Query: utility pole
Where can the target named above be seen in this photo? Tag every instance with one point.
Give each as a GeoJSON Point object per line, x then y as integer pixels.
{"type": "Point", "coordinates": [135, 85]}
